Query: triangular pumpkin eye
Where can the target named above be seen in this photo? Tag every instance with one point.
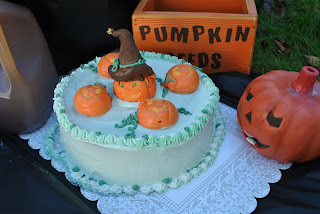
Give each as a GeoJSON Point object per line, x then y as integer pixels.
{"type": "Point", "coordinates": [249, 115]}
{"type": "Point", "coordinates": [249, 96]}
{"type": "Point", "coordinates": [273, 121]}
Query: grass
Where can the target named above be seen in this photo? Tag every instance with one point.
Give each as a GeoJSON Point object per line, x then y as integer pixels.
{"type": "Point", "coordinates": [299, 27]}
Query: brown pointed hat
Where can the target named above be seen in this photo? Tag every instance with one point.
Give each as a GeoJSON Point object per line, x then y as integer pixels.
{"type": "Point", "coordinates": [130, 66]}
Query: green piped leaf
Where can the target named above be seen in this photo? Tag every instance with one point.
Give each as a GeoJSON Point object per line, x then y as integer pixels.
{"type": "Point", "coordinates": [123, 124]}
{"type": "Point", "coordinates": [167, 180]}
{"type": "Point", "coordinates": [62, 111]}
{"type": "Point", "coordinates": [75, 169]}
{"type": "Point", "coordinates": [184, 111]}
{"type": "Point", "coordinates": [98, 133]}
{"type": "Point", "coordinates": [158, 79]}
{"type": "Point", "coordinates": [101, 182]}
{"type": "Point", "coordinates": [206, 111]}
{"type": "Point", "coordinates": [198, 164]}
{"type": "Point", "coordinates": [187, 129]}
{"type": "Point", "coordinates": [135, 187]}
{"type": "Point", "coordinates": [129, 135]}
{"type": "Point", "coordinates": [168, 79]}
{"type": "Point", "coordinates": [132, 119]}
{"type": "Point", "coordinates": [146, 137]}
{"type": "Point", "coordinates": [164, 92]}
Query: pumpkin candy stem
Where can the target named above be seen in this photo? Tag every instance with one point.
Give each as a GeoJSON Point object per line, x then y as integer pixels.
{"type": "Point", "coordinates": [306, 80]}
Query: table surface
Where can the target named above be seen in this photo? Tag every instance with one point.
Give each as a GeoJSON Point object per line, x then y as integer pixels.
{"type": "Point", "coordinates": [29, 184]}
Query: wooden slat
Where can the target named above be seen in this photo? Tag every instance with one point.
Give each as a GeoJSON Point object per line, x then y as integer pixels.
{"type": "Point", "coordinates": [232, 55]}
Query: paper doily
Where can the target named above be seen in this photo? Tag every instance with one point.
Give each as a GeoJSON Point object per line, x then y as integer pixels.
{"type": "Point", "coordinates": [238, 176]}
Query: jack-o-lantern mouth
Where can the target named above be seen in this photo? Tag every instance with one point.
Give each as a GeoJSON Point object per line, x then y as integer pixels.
{"type": "Point", "coordinates": [134, 96]}
{"type": "Point", "coordinates": [254, 141]}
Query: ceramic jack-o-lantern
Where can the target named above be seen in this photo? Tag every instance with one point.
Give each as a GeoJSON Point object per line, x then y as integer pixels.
{"type": "Point", "coordinates": [157, 114]}
{"type": "Point", "coordinates": [105, 62]}
{"type": "Point", "coordinates": [182, 79]}
{"type": "Point", "coordinates": [92, 100]}
{"type": "Point", "coordinates": [136, 91]}
{"type": "Point", "coordinates": [279, 114]}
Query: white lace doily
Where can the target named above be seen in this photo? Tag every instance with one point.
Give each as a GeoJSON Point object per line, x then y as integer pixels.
{"type": "Point", "coordinates": [238, 176]}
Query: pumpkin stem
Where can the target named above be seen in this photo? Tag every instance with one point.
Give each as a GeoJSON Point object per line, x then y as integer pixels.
{"type": "Point", "coordinates": [306, 80]}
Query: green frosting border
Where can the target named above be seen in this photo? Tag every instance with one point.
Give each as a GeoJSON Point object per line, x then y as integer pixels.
{"type": "Point", "coordinates": [80, 178]}
{"type": "Point", "coordinates": [141, 142]}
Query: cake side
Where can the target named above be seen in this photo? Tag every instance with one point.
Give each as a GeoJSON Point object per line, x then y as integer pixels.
{"type": "Point", "coordinates": [78, 176]}
{"type": "Point", "coordinates": [138, 166]}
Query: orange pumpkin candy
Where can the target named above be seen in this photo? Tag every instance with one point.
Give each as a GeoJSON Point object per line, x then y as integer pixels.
{"type": "Point", "coordinates": [157, 114]}
{"type": "Point", "coordinates": [92, 100]}
{"type": "Point", "coordinates": [182, 79]}
{"type": "Point", "coordinates": [136, 91]}
{"type": "Point", "coordinates": [105, 62]}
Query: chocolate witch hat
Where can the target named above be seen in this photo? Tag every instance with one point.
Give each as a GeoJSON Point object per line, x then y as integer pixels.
{"type": "Point", "coordinates": [130, 66]}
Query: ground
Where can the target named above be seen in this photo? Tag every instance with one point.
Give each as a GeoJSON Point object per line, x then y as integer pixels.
{"type": "Point", "coordinates": [295, 22]}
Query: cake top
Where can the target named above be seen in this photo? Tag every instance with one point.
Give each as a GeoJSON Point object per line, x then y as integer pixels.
{"type": "Point", "coordinates": [101, 130]}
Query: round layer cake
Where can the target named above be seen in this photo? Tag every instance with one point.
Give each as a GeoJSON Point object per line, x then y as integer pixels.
{"type": "Point", "coordinates": [103, 151]}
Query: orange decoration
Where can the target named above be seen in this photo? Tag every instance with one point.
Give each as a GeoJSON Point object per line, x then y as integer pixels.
{"type": "Point", "coordinates": [136, 91]}
{"type": "Point", "coordinates": [182, 79]}
{"type": "Point", "coordinates": [105, 62]}
{"type": "Point", "coordinates": [157, 114]}
{"type": "Point", "coordinates": [279, 115]}
{"type": "Point", "coordinates": [216, 35]}
{"type": "Point", "coordinates": [92, 100]}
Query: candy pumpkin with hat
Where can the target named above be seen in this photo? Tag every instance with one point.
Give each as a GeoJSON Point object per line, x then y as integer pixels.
{"type": "Point", "coordinates": [134, 80]}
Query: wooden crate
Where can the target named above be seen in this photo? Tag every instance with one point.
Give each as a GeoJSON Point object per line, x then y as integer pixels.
{"type": "Point", "coordinates": [217, 35]}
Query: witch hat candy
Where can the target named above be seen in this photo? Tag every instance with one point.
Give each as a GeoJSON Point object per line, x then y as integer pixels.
{"type": "Point", "coordinates": [130, 66]}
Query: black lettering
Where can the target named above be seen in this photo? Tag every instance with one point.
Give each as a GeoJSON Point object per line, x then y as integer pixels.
{"type": "Point", "coordinates": [203, 59]}
{"type": "Point", "coordinates": [144, 30]}
{"type": "Point", "coordinates": [244, 35]}
{"type": "Point", "coordinates": [214, 35]}
{"type": "Point", "coordinates": [183, 34]}
{"type": "Point", "coordinates": [215, 58]}
{"type": "Point", "coordinates": [196, 31]}
{"type": "Point", "coordinates": [169, 53]}
{"type": "Point", "coordinates": [190, 58]}
{"type": "Point", "coordinates": [181, 55]}
{"type": "Point", "coordinates": [164, 34]}
{"type": "Point", "coordinates": [229, 33]}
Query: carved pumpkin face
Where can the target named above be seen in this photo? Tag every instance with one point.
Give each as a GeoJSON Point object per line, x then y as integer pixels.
{"type": "Point", "coordinates": [136, 91]}
{"type": "Point", "coordinates": [105, 62]}
{"type": "Point", "coordinates": [279, 115]}
{"type": "Point", "coordinates": [182, 79]}
{"type": "Point", "coordinates": [157, 114]}
{"type": "Point", "coordinates": [92, 100]}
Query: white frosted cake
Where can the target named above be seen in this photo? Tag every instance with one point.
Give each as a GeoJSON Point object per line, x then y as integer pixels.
{"type": "Point", "coordinates": [152, 160]}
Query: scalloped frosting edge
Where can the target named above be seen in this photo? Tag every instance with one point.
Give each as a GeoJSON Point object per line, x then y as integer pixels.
{"type": "Point", "coordinates": [78, 177]}
{"type": "Point", "coordinates": [141, 142]}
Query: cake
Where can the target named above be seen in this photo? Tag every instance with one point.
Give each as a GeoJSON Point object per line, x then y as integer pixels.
{"type": "Point", "coordinates": [127, 159]}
